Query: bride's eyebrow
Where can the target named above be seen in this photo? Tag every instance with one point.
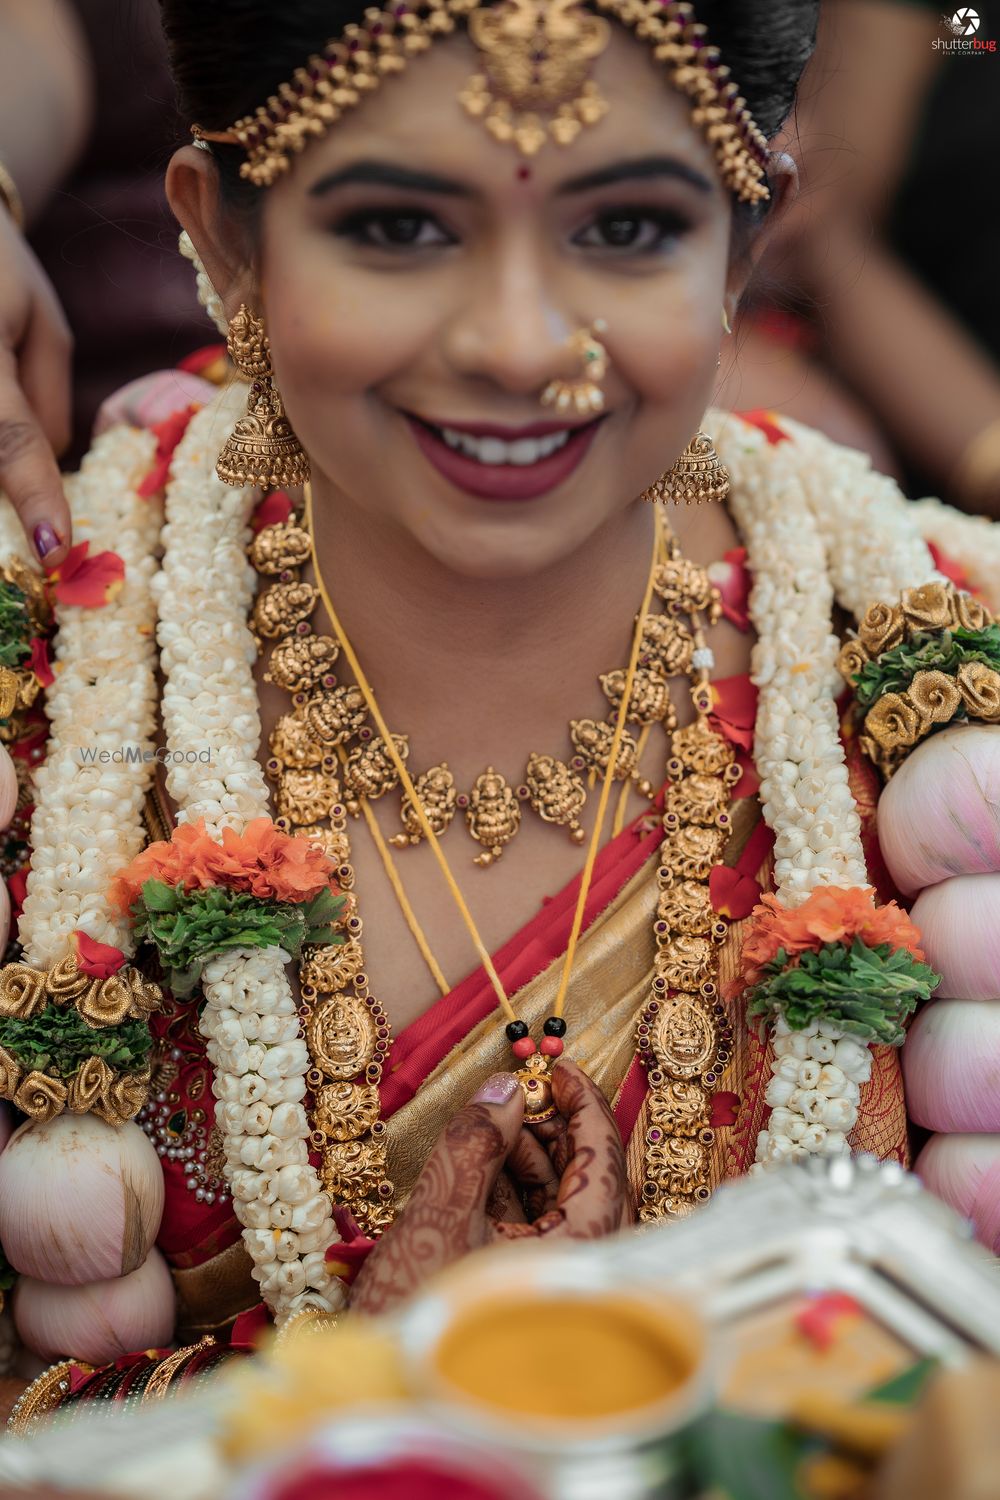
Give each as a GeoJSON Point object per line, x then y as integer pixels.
{"type": "Point", "coordinates": [637, 169]}
{"type": "Point", "coordinates": [389, 174]}
{"type": "Point", "coordinates": [374, 173]}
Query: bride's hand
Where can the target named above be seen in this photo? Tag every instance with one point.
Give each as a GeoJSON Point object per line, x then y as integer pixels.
{"type": "Point", "coordinates": [448, 1213]}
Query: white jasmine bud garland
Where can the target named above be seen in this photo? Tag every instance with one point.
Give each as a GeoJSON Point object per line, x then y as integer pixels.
{"type": "Point", "coordinates": [87, 820]}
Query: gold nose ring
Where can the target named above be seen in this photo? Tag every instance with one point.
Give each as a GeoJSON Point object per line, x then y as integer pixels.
{"type": "Point", "coordinates": [583, 394]}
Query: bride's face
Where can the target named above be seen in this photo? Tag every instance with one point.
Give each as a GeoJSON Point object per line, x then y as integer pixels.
{"type": "Point", "coordinates": [419, 281]}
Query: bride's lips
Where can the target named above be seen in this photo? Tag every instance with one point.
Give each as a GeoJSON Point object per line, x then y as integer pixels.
{"type": "Point", "coordinates": [505, 481]}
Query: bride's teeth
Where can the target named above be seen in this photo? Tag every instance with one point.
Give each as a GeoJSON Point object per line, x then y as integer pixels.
{"type": "Point", "coordinates": [493, 450]}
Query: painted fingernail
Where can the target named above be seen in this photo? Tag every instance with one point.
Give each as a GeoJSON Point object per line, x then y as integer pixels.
{"type": "Point", "coordinates": [496, 1090]}
{"type": "Point", "coordinates": [46, 539]}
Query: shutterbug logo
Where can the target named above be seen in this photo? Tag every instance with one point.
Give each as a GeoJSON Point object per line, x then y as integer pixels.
{"type": "Point", "coordinates": [965, 39]}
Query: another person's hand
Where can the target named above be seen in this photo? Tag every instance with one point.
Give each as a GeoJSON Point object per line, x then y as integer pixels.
{"type": "Point", "coordinates": [35, 386]}
{"type": "Point", "coordinates": [450, 1210]}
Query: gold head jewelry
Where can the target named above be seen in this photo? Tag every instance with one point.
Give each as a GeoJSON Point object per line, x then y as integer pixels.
{"type": "Point", "coordinates": [583, 395]}
{"type": "Point", "coordinates": [699, 474]}
{"type": "Point", "coordinates": [262, 449]}
{"type": "Point", "coordinates": [531, 84]}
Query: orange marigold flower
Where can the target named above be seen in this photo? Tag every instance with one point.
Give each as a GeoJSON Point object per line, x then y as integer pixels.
{"type": "Point", "coordinates": [262, 859]}
{"type": "Point", "coordinates": [273, 864]}
{"type": "Point", "coordinates": [832, 914]}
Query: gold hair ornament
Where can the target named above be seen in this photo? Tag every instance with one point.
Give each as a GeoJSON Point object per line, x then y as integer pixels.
{"type": "Point", "coordinates": [531, 84]}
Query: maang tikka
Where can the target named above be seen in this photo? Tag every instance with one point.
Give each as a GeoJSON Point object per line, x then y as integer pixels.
{"type": "Point", "coordinates": [699, 474]}
{"type": "Point", "coordinates": [262, 449]}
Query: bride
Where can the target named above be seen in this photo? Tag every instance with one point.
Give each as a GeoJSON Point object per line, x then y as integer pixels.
{"type": "Point", "coordinates": [438, 748]}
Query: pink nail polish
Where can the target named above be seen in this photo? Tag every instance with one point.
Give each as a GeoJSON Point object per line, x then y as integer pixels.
{"type": "Point", "coordinates": [46, 539]}
{"type": "Point", "coordinates": [496, 1090]}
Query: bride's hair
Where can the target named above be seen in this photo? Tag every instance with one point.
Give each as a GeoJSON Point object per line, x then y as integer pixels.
{"type": "Point", "coordinates": [227, 56]}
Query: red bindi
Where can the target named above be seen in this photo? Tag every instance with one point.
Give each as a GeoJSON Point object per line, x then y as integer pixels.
{"type": "Point", "coordinates": [523, 174]}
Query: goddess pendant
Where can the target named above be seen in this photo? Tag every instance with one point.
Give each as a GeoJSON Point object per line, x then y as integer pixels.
{"type": "Point", "coordinates": [536, 1086]}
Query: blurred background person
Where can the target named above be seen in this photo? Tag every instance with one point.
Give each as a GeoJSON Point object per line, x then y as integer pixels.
{"type": "Point", "coordinates": [86, 124]}
{"type": "Point", "coordinates": [876, 317]}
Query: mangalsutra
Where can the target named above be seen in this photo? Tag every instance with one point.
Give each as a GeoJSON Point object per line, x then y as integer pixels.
{"type": "Point", "coordinates": [328, 761]}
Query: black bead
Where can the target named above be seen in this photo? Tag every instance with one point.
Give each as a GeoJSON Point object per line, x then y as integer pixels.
{"type": "Point", "coordinates": [516, 1030]}
{"type": "Point", "coordinates": [555, 1026]}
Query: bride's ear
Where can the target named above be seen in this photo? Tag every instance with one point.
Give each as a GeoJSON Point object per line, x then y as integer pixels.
{"type": "Point", "coordinates": [783, 180]}
{"type": "Point", "coordinates": [194, 195]}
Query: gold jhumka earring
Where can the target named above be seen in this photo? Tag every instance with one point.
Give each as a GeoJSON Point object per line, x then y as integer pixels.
{"type": "Point", "coordinates": [585, 395]}
{"type": "Point", "coordinates": [698, 475]}
{"type": "Point", "coordinates": [262, 449]}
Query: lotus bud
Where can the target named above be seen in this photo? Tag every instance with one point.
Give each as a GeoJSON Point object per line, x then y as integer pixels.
{"type": "Point", "coordinates": [959, 922]}
{"type": "Point", "coordinates": [951, 1064]}
{"type": "Point", "coordinates": [964, 1170]}
{"type": "Point", "coordinates": [101, 1321]}
{"type": "Point", "coordinates": [8, 789]}
{"type": "Point", "coordinates": [82, 1200]}
{"type": "Point", "coordinates": [936, 816]}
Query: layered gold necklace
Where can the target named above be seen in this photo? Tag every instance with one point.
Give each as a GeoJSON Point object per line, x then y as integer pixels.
{"type": "Point", "coordinates": [332, 754]}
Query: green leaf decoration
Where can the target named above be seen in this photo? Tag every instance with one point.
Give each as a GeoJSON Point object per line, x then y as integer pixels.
{"type": "Point", "coordinates": [926, 652]}
{"type": "Point", "coordinates": [15, 626]}
{"type": "Point", "coordinates": [58, 1041]}
{"type": "Point", "coordinates": [188, 928]}
{"type": "Point", "coordinates": [868, 992]}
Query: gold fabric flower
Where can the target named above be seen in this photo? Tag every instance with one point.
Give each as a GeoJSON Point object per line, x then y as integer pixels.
{"type": "Point", "coordinates": [145, 995]}
{"type": "Point", "coordinates": [882, 628]}
{"type": "Point", "coordinates": [980, 689]}
{"type": "Point", "coordinates": [971, 614]}
{"type": "Point", "coordinates": [107, 1002]}
{"type": "Point", "coordinates": [66, 981]}
{"type": "Point", "coordinates": [893, 723]}
{"type": "Point", "coordinates": [928, 607]}
{"type": "Point", "coordinates": [22, 991]}
{"type": "Point", "coordinates": [41, 1097]}
{"type": "Point", "coordinates": [124, 1097]}
{"type": "Point", "coordinates": [935, 697]}
{"type": "Point", "coordinates": [89, 1084]}
{"type": "Point", "coordinates": [852, 659]}
{"type": "Point", "coordinates": [10, 1074]}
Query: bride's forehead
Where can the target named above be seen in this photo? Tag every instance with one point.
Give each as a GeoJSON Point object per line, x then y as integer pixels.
{"type": "Point", "coordinates": [418, 116]}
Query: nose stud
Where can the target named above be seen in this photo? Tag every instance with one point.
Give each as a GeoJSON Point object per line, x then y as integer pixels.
{"type": "Point", "coordinates": [584, 393]}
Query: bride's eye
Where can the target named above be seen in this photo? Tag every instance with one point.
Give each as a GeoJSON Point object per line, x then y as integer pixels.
{"type": "Point", "coordinates": [393, 229]}
{"type": "Point", "coordinates": [634, 231]}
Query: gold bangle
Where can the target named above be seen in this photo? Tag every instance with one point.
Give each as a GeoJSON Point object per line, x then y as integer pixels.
{"type": "Point", "coordinates": [159, 1383]}
{"type": "Point", "coordinates": [43, 1395]}
{"type": "Point", "coordinates": [977, 473]}
{"type": "Point", "coordinates": [10, 197]}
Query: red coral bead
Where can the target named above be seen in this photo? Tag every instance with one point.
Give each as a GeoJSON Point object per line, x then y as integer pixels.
{"type": "Point", "coordinates": [552, 1046]}
{"type": "Point", "coordinates": [523, 1048]}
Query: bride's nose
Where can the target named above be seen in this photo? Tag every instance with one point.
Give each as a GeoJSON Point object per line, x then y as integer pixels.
{"type": "Point", "coordinates": [513, 327]}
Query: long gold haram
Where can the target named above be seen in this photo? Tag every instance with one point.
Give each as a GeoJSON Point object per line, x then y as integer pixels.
{"type": "Point", "coordinates": [682, 1038]}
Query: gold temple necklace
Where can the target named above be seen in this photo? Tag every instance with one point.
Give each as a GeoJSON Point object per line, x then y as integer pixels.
{"type": "Point", "coordinates": [345, 1026]}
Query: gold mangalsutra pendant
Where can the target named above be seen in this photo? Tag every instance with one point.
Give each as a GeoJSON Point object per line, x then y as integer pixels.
{"type": "Point", "coordinates": [536, 1086]}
